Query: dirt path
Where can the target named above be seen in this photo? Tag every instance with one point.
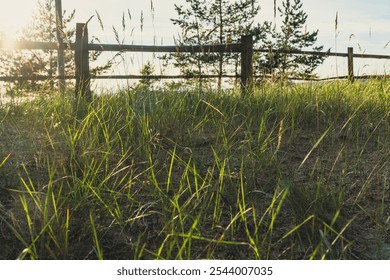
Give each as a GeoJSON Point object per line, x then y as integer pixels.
{"type": "Point", "coordinates": [22, 141]}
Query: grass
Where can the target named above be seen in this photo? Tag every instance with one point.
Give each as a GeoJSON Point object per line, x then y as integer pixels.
{"type": "Point", "coordinates": [290, 172]}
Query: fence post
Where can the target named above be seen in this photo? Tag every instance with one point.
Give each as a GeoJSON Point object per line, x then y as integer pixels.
{"type": "Point", "coordinates": [351, 77]}
{"type": "Point", "coordinates": [81, 58]}
{"type": "Point", "coordinates": [60, 51]}
{"type": "Point", "coordinates": [246, 64]}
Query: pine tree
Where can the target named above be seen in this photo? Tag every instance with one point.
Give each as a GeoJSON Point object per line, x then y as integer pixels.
{"type": "Point", "coordinates": [293, 35]}
{"type": "Point", "coordinates": [147, 70]}
{"type": "Point", "coordinates": [31, 63]}
{"type": "Point", "coordinates": [213, 22]}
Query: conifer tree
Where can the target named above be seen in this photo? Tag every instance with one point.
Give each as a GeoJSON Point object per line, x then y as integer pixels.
{"type": "Point", "coordinates": [293, 35]}
{"type": "Point", "coordinates": [31, 63]}
{"type": "Point", "coordinates": [213, 22]}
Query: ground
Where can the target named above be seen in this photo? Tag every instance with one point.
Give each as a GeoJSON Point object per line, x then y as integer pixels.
{"type": "Point", "coordinates": [197, 176]}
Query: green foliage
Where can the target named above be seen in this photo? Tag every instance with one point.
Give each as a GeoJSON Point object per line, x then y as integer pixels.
{"type": "Point", "coordinates": [221, 22]}
{"type": "Point", "coordinates": [211, 22]}
{"type": "Point", "coordinates": [147, 71]}
{"type": "Point", "coordinates": [292, 35]}
{"type": "Point", "coordinates": [33, 63]}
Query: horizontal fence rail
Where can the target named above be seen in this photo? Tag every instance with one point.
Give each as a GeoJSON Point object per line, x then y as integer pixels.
{"type": "Point", "coordinates": [172, 77]}
{"type": "Point", "coordinates": [234, 48]}
{"type": "Point", "coordinates": [82, 75]}
{"type": "Point", "coordinates": [117, 77]}
{"type": "Point", "coordinates": [335, 54]}
{"type": "Point", "coordinates": [29, 45]}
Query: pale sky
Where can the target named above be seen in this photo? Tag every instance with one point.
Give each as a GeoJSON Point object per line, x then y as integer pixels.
{"type": "Point", "coordinates": [368, 21]}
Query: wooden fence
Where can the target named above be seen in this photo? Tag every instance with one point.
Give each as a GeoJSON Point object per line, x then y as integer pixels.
{"type": "Point", "coordinates": [81, 49]}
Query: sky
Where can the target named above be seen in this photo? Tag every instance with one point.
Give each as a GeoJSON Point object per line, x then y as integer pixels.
{"type": "Point", "coordinates": [362, 24]}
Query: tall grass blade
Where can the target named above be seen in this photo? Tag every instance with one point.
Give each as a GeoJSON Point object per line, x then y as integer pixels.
{"type": "Point", "coordinates": [314, 147]}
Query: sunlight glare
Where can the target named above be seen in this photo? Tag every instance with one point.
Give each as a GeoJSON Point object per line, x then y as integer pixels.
{"type": "Point", "coordinates": [7, 42]}
{"type": "Point", "coordinates": [14, 16]}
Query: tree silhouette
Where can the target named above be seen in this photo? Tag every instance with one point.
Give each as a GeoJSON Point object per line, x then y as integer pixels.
{"type": "Point", "coordinates": [32, 63]}
{"type": "Point", "coordinates": [292, 35]}
{"type": "Point", "coordinates": [205, 22]}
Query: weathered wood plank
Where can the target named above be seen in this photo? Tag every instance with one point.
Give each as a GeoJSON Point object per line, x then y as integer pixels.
{"type": "Point", "coordinates": [350, 64]}
{"type": "Point", "coordinates": [338, 54]}
{"type": "Point", "coordinates": [19, 45]}
{"type": "Point", "coordinates": [29, 45]}
{"type": "Point", "coordinates": [142, 48]}
{"type": "Point", "coordinates": [81, 57]}
{"type": "Point", "coordinates": [246, 64]}
{"type": "Point", "coordinates": [60, 51]}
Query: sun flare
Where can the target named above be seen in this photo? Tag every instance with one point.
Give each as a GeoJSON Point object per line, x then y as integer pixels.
{"type": "Point", "coordinates": [14, 16]}
{"type": "Point", "coordinates": [7, 42]}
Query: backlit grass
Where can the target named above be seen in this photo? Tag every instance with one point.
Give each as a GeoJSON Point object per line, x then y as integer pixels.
{"type": "Point", "coordinates": [289, 172]}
